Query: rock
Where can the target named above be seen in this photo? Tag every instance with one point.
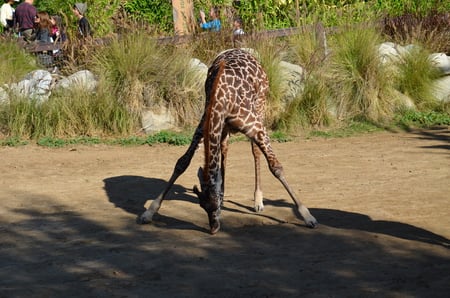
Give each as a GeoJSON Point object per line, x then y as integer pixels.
{"type": "Point", "coordinates": [441, 89]}
{"type": "Point", "coordinates": [36, 85]}
{"type": "Point", "coordinates": [4, 96]}
{"type": "Point", "coordinates": [291, 79]}
{"type": "Point", "coordinates": [388, 52]}
{"type": "Point", "coordinates": [404, 100]}
{"type": "Point", "coordinates": [157, 119]}
{"type": "Point", "coordinates": [83, 79]}
{"type": "Point", "coordinates": [198, 70]}
{"type": "Point", "coordinates": [441, 61]}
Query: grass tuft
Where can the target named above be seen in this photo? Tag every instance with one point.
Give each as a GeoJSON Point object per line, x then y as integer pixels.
{"type": "Point", "coordinates": [361, 85]}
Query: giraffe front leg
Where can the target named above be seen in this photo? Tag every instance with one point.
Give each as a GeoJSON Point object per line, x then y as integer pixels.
{"type": "Point", "coordinates": [180, 167]}
{"type": "Point", "coordinates": [147, 216]}
{"type": "Point", "coordinates": [258, 194]}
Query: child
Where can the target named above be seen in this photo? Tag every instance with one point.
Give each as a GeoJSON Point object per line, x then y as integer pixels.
{"type": "Point", "coordinates": [213, 25]}
{"type": "Point", "coordinates": [237, 27]}
{"type": "Point", "coordinates": [84, 28]}
{"type": "Point", "coordinates": [238, 32]}
{"type": "Point", "coordinates": [58, 31]}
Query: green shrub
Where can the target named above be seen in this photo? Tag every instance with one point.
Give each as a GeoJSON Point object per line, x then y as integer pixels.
{"type": "Point", "coordinates": [139, 10]}
{"type": "Point", "coordinates": [99, 13]}
{"type": "Point", "coordinates": [411, 118]}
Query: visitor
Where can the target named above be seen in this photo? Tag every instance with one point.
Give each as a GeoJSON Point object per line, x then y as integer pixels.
{"type": "Point", "coordinates": [7, 16]}
{"type": "Point", "coordinates": [237, 27]}
{"type": "Point", "coordinates": [58, 32]}
{"type": "Point", "coordinates": [25, 17]}
{"type": "Point", "coordinates": [84, 28]}
{"type": "Point", "coordinates": [238, 32]}
{"type": "Point", "coordinates": [213, 25]}
{"type": "Point", "coordinates": [44, 27]}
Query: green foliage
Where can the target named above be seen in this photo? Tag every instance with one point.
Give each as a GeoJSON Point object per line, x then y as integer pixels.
{"type": "Point", "coordinates": [346, 130]}
{"type": "Point", "coordinates": [169, 138]}
{"type": "Point", "coordinates": [99, 14]}
{"type": "Point", "coordinates": [13, 142]}
{"type": "Point", "coordinates": [145, 11]}
{"type": "Point", "coordinates": [411, 118]}
{"type": "Point", "coordinates": [62, 142]}
{"type": "Point", "coordinates": [280, 137]}
{"type": "Point", "coordinates": [397, 7]}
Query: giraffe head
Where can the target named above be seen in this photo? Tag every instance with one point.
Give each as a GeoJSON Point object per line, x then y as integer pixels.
{"type": "Point", "coordinates": [210, 201]}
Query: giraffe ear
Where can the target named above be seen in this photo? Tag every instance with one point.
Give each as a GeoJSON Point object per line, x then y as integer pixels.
{"type": "Point", "coordinates": [200, 178]}
{"type": "Point", "coordinates": [200, 174]}
{"type": "Point", "coordinates": [196, 190]}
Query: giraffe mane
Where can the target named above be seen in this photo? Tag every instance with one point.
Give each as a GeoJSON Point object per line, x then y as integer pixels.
{"type": "Point", "coordinates": [212, 94]}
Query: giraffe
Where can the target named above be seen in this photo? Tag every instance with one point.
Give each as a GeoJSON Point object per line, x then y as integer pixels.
{"type": "Point", "coordinates": [236, 88]}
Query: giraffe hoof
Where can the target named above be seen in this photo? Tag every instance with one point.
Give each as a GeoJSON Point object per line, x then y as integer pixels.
{"type": "Point", "coordinates": [142, 221]}
{"type": "Point", "coordinates": [312, 223]}
{"type": "Point", "coordinates": [259, 208]}
{"type": "Point", "coordinates": [145, 218]}
{"type": "Point", "coordinates": [214, 230]}
{"type": "Point", "coordinates": [215, 227]}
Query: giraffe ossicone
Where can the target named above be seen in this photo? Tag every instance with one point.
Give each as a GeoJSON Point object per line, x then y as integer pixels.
{"type": "Point", "coordinates": [236, 88]}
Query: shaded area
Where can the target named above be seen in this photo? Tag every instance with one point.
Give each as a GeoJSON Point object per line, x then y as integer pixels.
{"type": "Point", "coordinates": [441, 134]}
{"type": "Point", "coordinates": [62, 253]}
{"type": "Point", "coordinates": [132, 192]}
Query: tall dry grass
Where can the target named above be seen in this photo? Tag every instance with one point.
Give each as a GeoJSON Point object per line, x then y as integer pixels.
{"type": "Point", "coordinates": [142, 73]}
{"type": "Point", "coordinates": [361, 85]}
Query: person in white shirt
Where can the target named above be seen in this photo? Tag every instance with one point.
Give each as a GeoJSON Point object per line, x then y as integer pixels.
{"type": "Point", "coordinates": [7, 15]}
{"type": "Point", "coordinates": [237, 27]}
{"type": "Point", "coordinates": [238, 32]}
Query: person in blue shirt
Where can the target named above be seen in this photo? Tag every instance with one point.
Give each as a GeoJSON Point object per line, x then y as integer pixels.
{"type": "Point", "coordinates": [214, 24]}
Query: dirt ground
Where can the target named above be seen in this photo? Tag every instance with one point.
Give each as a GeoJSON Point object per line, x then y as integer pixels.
{"type": "Point", "coordinates": [68, 222]}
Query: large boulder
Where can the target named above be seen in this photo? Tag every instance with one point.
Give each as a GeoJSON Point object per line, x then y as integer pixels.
{"type": "Point", "coordinates": [441, 89]}
{"type": "Point", "coordinates": [83, 79]}
{"type": "Point", "coordinates": [157, 119]}
{"type": "Point", "coordinates": [291, 80]}
{"type": "Point", "coordinates": [441, 61]}
{"type": "Point", "coordinates": [36, 85]}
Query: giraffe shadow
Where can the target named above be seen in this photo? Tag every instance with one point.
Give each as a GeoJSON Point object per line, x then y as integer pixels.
{"type": "Point", "coordinates": [356, 221]}
{"type": "Point", "coordinates": [131, 193]}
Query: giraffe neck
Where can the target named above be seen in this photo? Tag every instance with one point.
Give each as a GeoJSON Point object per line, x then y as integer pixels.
{"type": "Point", "coordinates": [212, 131]}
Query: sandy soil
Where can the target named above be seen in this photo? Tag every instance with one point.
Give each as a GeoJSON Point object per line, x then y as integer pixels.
{"type": "Point", "coordinates": [68, 222]}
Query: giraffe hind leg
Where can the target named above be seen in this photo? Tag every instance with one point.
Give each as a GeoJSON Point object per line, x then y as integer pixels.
{"type": "Point", "coordinates": [180, 167]}
{"type": "Point", "coordinates": [258, 194]}
{"type": "Point", "coordinates": [262, 140]}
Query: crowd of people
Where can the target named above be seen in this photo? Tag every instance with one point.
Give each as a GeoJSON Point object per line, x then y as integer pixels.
{"type": "Point", "coordinates": [31, 25]}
